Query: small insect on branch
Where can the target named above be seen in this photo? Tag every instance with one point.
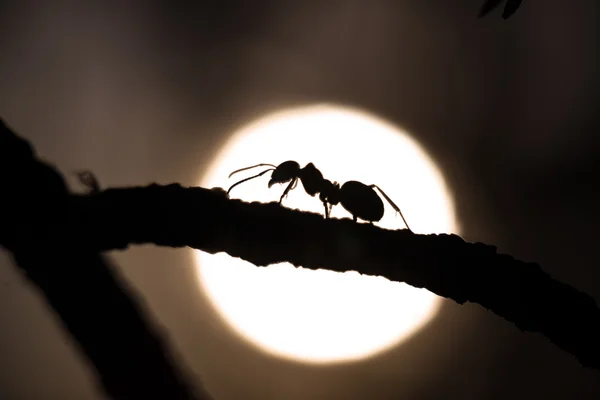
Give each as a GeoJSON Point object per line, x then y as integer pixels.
{"type": "Point", "coordinates": [89, 180]}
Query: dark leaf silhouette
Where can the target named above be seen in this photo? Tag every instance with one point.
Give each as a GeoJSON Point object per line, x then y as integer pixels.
{"type": "Point", "coordinates": [509, 9]}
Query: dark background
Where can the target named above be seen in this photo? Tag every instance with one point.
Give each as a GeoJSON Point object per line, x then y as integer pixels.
{"type": "Point", "coordinates": [142, 91]}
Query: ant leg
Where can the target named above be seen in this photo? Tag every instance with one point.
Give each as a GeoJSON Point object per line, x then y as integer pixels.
{"type": "Point", "coordinates": [287, 189]}
{"type": "Point", "coordinates": [326, 210]}
{"type": "Point", "coordinates": [394, 206]}
{"type": "Point", "coordinates": [354, 218]}
{"type": "Point", "coordinates": [247, 179]}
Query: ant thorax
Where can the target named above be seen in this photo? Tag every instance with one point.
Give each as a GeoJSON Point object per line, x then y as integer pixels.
{"type": "Point", "coordinates": [312, 179]}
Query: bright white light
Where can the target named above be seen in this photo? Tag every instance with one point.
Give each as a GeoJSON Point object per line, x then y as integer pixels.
{"type": "Point", "coordinates": [324, 316]}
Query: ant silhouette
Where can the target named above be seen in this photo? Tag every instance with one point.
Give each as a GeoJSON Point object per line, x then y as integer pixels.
{"type": "Point", "coordinates": [358, 199]}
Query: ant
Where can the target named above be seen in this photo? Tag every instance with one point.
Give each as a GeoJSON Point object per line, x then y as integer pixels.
{"type": "Point", "coordinates": [358, 199]}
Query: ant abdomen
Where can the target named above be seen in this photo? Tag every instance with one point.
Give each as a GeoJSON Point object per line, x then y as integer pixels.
{"type": "Point", "coordinates": [361, 201]}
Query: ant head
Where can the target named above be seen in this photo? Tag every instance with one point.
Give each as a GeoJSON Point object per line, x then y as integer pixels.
{"type": "Point", "coordinates": [285, 172]}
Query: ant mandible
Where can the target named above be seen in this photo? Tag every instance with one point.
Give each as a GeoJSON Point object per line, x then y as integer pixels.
{"type": "Point", "coordinates": [358, 199]}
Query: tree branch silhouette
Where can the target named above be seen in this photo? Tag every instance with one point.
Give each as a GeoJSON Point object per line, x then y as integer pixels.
{"type": "Point", "coordinates": [55, 239]}
{"type": "Point", "coordinates": [100, 312]}
{"type": "Point", "coordinates": [264, 234]}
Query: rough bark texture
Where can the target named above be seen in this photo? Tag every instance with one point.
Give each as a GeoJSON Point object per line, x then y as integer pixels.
{"type": "Point", "coordinates": [101, 313]}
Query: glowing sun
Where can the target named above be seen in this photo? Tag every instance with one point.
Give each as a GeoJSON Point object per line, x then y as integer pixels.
{"type": "Point", "coordinates": [323, 316]}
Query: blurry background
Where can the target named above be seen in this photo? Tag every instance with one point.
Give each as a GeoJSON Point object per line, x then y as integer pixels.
{"type": "Point", "coordinates": [143, 91]}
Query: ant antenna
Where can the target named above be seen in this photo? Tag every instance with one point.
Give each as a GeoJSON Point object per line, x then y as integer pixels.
{"type": "Point", "coordinates": [252, 177]}
{"type": "Point", "coordinates": [394, 206]}
{"type": "Point", "coordinates": [254, 166]}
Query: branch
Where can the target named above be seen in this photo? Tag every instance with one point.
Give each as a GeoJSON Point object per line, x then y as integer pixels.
{"type": "Point", "coordinates": [265, 234]}
{"type": "Point", "coordinates": [100, 311]}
